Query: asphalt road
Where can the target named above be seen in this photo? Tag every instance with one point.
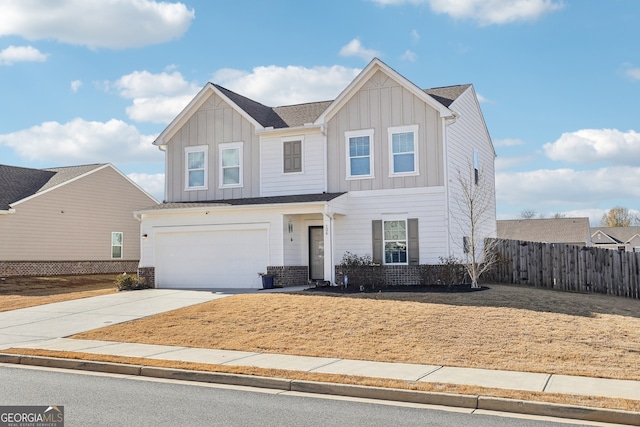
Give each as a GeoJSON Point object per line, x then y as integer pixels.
{"type": "Point", "coordinates": [91, 399]}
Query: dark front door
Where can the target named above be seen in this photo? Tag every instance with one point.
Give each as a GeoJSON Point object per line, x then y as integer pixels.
{"type": "Point", "coordinates": [316, 253]}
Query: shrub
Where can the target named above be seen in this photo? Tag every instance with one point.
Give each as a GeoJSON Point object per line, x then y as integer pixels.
{"type": "Point", "coordinates": [130, 282]}
{"type": "Point", "coordinates": [452, 271]}
{"type": "Point", "coordinates": [361, 271]}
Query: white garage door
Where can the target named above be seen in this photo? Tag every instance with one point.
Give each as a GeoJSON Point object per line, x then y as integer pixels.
{"type": "Point", "coordinates": [211, 259]}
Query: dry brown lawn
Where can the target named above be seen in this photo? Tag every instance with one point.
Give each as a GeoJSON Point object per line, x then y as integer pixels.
{"type": "Point", "coordinates": [22, 292]}
{"type": "Point", "coordinates": [505, 327]}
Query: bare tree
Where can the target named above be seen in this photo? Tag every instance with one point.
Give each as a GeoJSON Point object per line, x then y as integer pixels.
{"type": "Point", "coordinates": [476, 208]}
{"type": "Point", "coordinates": [528, 213]}
{"type": "Point", "coordinates": [558, 215]}
{"type": "Point", "coordinates": [617, 217]}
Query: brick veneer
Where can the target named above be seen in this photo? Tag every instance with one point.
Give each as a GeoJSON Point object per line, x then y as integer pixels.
{"type": "Point", "coordinates": [403, 275]}
{"type": "Point", "coordinates": [148, 274]}
{"type": "Point", "coordinates": [59, 268]}
{"type": "Point", "coordinates": [289, 275]}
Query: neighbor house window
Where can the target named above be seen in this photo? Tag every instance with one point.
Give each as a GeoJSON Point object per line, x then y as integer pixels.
{"type": "Point", "coordinates": [231, 164]}
{"type": "Point", "coordinates": [359, 154]}
{"type": "Point", "coordinates": [116, 245]}
{"type": "Point", "coordinates": [292, 156]}
{"type": "Point", "coordinates": [403, 156]}
{"type": "Point", "coordinates": [395, 242]}
{"type": "Point", "coordinates": [196, 167]}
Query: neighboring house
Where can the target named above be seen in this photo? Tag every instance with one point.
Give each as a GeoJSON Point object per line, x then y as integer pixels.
{"type": "Point", "coordinates": [288, 190]}
{"type": "Point", "coordinates": [572, 231]}
{"type": "Point", "coordinates": [69, 220]}
{"type": "Point", "coordinates": [619, 238]}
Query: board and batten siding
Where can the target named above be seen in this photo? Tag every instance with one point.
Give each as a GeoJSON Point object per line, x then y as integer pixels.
{"type": "Point", "coordinates": [467, 134]}
{"type": "Point", "coordinates": [74, 222]}
{"type": "Point", "coordinates": [353, 231]}
{"type": "Point", "coordinates": [382, 103]}
{"type": "Point", "coordinates": [277, 183]}
{"type": "Point", "coordinates": [214, 123]}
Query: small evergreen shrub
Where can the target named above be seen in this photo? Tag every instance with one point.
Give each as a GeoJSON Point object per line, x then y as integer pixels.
{"type": "Point", "coordinates": [130, 282]}
{"type": "Point", "coordinates": [361, 271]}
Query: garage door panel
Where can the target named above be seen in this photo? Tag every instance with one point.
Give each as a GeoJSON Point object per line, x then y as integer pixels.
{"type": "Point", "coordinates": [211, 259]}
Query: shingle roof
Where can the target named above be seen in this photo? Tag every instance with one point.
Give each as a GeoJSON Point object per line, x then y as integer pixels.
{"type": "Point", "coordinates": [300, 114]}
{"type": "Point", "coordinates": [17, 183]}
{"type": "Point", "coordinates": [550, 230]}
{"type": "Point", "coordinates": [619, 234]}
{"type": "Point", "coordinates": [298, 198]}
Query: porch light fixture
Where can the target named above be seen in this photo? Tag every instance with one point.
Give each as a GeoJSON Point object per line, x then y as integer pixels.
{"type": "Point", "coordinates": [144, 236]}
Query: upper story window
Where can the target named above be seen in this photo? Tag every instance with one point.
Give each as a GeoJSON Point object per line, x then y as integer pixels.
{"type": "Point", "coordinates": [231, 164]}
{"type": "Point", "coordinates": [359, 154]}
{"type": "Point", "coordinates": [395, 242]}
{"type": "Point", "coordinates": [116, 244]}
{"type": "Point", "coordinates": [403, 150]}
{"type": "Point", "coordinates": [196, 160]}
{"type": "Point", "coordinates": [292, 156]}
{"type": "Point", "coordinates": [476, 167]}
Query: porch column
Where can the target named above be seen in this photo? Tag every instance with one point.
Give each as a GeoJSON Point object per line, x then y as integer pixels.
{"type": "Point", "coordinates": [327, 223]}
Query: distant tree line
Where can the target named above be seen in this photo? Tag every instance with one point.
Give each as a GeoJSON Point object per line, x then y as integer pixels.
{"type": "Point", "coordinates": [617, 216]}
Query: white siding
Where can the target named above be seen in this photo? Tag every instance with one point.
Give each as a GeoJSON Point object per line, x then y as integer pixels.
{"type": "Point", "coordinates": [353, 231]}
{"type": "Point", "coordinates": [467, 134]}
{"type": "Point", "coordinates": [277, 183]}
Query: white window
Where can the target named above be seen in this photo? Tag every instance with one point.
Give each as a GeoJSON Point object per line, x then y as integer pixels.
{"type": "Point", "coordinates": [292, 156]}
{"type": "Point", "coordinates": [359, 146]}
{"type": "Point", "coordinates": [476, 167]}
{"type": "Point", "coordinates": [403, 150]}
{"type": "Point", "coordinates": [231, 164]}
{"type": "Point", "coordinates": [116, 245]}
{"type": "Point", "coordinates": [395, 242]}
{"type": "Point", "coordinates": [196, 160]}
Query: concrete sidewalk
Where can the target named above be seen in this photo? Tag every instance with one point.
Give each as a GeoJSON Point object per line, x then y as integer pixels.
{"type": "Point", "coordinates": [46, 326]}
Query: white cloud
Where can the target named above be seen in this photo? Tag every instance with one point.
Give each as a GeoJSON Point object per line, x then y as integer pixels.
{"type": "Point", "coordinates": [483, 100]}
{"type": "Point", "coordinates": [13, 54]}
{"type": "Point", "coordinates": [415, 36]}
{"type": "Point", "coordinates": [151, 183]}
{"type": "Point", "coordinates": [275, 85]}
{"type": "Point", "coordinates": [157, 98]}
{"type": "Point", "coordinates": [487, 12]}
{"type": "Point", "coordinates": [409, 56]}
{"type": "Point", "coordinates": [113, 24]}
{"type": "Point", "coordinates": [633, 73]}
{"type": "Point", "coordinates": [75, 85]}
{"type": "Point", "coordinates": [547, 190]}
{"type": "Point", "coordinates": [508, 142]}
{"type": "Point", "coordinates": [355, 48]}
{"type": "Point", "coordinates": [80, 141]}
{"type": "Point", "coordinates": [596, 145]}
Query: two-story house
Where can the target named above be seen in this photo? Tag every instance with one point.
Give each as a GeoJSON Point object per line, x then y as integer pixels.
{"type": "Point", "coordinates": [288, 190]}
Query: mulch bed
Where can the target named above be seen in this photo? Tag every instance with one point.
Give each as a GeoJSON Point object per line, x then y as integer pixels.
{"type": "Point", "coordinates": [353, 289]}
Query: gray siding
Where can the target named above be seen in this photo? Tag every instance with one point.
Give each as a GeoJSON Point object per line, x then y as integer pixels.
{"type": "Point", "coordinates": [381, 103]}
{"type": "Point", "coordinates": [74, 222]}
{"type": "Point", "coordinates": [214, 123]}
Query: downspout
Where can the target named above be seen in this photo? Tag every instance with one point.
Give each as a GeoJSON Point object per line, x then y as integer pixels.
{"type": "Point", "coordinates": [328, 231]}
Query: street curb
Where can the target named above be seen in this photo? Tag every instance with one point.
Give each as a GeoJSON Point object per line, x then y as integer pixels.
{"type": "Point", "coordinates": [380, 393]}
{"type": "Point", "coordinates": [558, 410]}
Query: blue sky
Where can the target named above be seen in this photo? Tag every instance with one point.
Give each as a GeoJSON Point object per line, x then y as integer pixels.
{"type": "Point", "coordinates": [94, 81]}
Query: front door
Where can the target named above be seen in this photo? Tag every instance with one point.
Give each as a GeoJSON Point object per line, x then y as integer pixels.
{"type": "Point", "coordinates": [316, 253]}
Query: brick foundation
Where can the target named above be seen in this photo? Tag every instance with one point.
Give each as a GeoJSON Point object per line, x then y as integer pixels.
{"type": "Point", "coordinates": [63, 268]}
{"type": "Point", "coordinates": [289, 275]}
{"type": "Point", "coordinates": [406, 275]}
{"type": "Point", "coordinates": [149, 275]}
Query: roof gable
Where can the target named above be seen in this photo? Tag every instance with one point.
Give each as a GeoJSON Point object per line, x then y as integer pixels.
{"type": "Point", "coordinates": [361, 79]}
{"type": "Point", "coordinates": [617, 234]}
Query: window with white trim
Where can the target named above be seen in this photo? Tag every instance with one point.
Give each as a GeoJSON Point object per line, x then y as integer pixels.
{"type": "Point", "coordinates": [292, 156]}
{"type": "Point", "coordinates": [231, 164]}
{"type": "Point", "coordinates": [196, 160]}
{"type": "Point", "coordinates": [116, 244]}
{"type": "Point", "coordinates": [359, 145]}
{"type": "Point", "coordinates": [395, 241]}
{"type": "Point", "coordinates": [403, 150]}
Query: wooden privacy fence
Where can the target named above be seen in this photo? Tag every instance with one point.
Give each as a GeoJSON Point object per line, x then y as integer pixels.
{"type": "Point", "coordinates": [567, 267]}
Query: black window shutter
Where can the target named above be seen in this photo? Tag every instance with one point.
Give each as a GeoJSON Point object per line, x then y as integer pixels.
{"type": "Point", "coordinates": [414, 241]}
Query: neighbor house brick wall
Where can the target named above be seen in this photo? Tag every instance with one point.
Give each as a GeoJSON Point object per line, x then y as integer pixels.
{"type": "Point", "coordinates": [289, 275]}
{"type": "Point", "coordinates": [60, 268]}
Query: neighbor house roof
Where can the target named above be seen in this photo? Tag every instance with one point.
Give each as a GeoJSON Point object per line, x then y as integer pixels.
{"type": "Point", "coordinates": [617, 234]}
{"type": "Point", "coordinates": [18, 183]}
{"type": "Point", "coordinates": [550, 230]}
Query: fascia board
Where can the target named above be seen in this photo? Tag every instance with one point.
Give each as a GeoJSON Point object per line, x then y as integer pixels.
{"type": "Point", "coordinates": [192, 107]}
